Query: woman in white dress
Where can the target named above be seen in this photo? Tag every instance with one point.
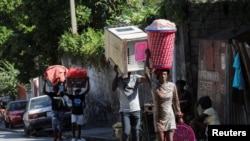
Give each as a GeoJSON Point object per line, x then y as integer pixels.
{"type": "Point", "coordinates": [166, 106]}
{"type": "Point", "coordinates": [166, 102]}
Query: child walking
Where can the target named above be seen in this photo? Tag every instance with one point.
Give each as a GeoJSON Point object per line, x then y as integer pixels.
{"type": "Point", "coordinates": [78, 104]}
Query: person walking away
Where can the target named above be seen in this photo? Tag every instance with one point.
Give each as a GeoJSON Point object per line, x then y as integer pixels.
{"type": "Point", "coordinates": [78, 104]}
{"type": "Point", "coordinates": [130, 109]}
{"type": "Point", "coordinates": [185, 100]}
{"type": "Point", "coordinates": [57, 110]}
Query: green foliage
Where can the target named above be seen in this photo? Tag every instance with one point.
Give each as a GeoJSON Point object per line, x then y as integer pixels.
{"type": "Point", "coordinates": [5, 33]}
{"type": "Point", "coordinates": [9, 6]}
{"type": "Point", "coordinates": [88, 46]}
{"type": "Point", "coordinates": [42, 28]}
{"type": "Point", "coordinates": [8, 79]}
{"type": "Point", "coordinates": [134, 13]}
{"type": "Point", "coordinates": [174, 10]}
{"type": "Point", "coordinates": [83, 15]}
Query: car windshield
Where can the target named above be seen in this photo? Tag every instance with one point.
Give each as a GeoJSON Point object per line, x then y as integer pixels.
{"type": "Point", "coordinates": [40, 102]}
{"type": "Point", "coordinates": [18, 105]}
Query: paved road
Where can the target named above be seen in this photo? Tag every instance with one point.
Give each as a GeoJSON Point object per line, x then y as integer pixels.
{"type": "Point", "coordinates": [90, 134]}
{"type": "Point", "coordinates": [15, 136]}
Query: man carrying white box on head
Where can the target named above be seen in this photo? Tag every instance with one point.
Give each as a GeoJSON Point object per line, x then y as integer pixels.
{"type": "Point", "coordinates": [130, 109]}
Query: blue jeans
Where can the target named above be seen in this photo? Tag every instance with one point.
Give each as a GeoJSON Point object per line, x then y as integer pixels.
{"type": "Point", "coordinates": [57, 120]}
{"type": "Point", "coordinates": [131, 122]}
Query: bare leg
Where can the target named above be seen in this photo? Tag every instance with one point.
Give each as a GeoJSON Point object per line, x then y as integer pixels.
{"type": "Point", "coordinates": [160, 136]}
{"type": "Point", "coordinates": [169, 135]}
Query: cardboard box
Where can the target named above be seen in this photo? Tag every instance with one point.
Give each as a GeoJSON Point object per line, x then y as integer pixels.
{"type": "Point", "coordinates": [125, 46]}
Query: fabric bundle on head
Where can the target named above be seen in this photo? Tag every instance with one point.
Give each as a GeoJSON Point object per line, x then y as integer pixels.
{"type": "Point", "coordinates": [161, 24]}
{"type": "Point", "coordinates": [55, 74]}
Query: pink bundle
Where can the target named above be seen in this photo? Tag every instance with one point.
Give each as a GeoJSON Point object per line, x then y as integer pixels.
{"type": "Point", "coordinates": [56, 74]}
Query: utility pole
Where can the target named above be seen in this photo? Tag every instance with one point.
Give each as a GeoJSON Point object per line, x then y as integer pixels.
{"type": "Point", "coordinates": [73, 17]}
{"type": "Point", "coordinates": [66, 61]}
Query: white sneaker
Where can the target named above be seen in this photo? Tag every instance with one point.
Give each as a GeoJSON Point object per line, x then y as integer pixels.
{"type": "Point", "coordinates": [73, 139]}
{"type": "Point", "coordinates": [82, 139]}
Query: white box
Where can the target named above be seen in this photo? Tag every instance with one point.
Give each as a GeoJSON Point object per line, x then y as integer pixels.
{"type": "Point", "coordinates": [125, 46]}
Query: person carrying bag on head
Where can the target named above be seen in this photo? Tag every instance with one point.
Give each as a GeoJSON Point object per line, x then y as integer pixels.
{"type": "Point", "coordinates": [78, 104]}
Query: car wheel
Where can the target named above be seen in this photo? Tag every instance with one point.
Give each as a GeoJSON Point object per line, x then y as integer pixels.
{"type": "Point", "coordinates": [26, 131]}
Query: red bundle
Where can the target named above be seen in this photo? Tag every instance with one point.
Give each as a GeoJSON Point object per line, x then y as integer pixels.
{"type": "Point", "coordinates": [76, 77]}
{"type": "Point", "coordinates": [77, 73]}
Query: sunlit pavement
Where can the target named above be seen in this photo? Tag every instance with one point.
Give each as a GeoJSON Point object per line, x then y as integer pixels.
{"type": "Point", "coordinates": [89, 133]}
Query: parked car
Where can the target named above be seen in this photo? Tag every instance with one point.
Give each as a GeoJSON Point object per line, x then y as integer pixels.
{"type": "Point", "coordinates": [14, 113]}
{"type": "Point", "coordinates": [37, 115]}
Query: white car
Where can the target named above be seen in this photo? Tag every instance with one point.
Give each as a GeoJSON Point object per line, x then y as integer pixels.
{"type": "Point", "coordinates": [37, 115]}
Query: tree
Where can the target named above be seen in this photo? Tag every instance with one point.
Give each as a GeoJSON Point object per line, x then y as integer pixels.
{"type": "Point", "coordinates": [40, 30]}
{"type": "Point", "coordinates": [8, 79]}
